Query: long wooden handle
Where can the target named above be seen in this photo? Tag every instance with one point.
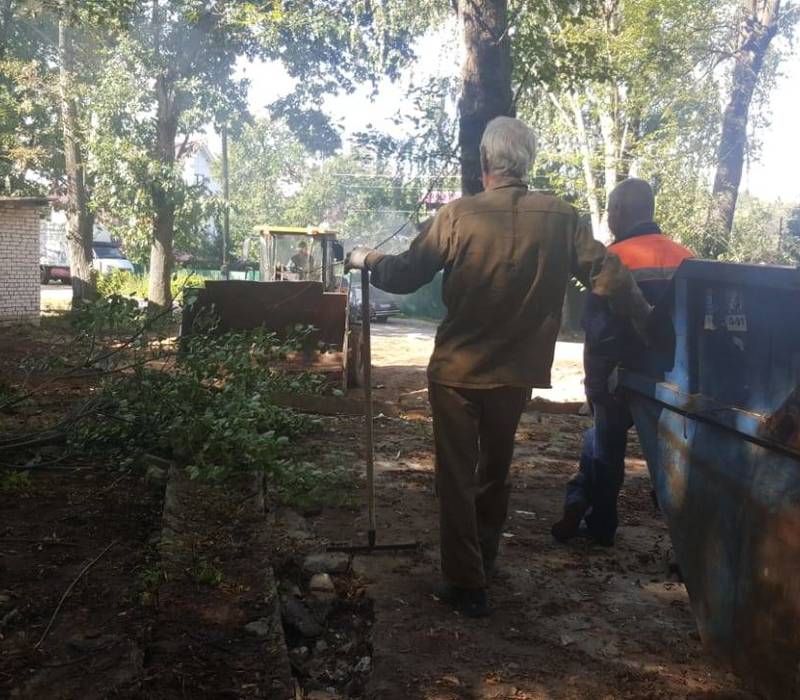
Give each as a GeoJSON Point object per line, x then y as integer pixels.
{"type": "Point", "coordinates": [366, 356]}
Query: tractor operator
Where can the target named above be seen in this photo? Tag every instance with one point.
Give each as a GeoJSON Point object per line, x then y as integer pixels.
{"type": "Point", "coordinates": [652, 258]}
{"type": "Point", "coordinates": [301, 262]}
{"type": "Point", "coordinates": [507, 254]}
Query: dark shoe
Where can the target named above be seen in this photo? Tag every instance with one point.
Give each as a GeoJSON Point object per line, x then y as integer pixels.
{"type": "Point", "coordinates": [471, 602]}
{"type": "Point", "coordinates": [596, 538]}
{"type": "Point", "coordinates": [602, 540]}
{"type": "Point", "coordinates": [567, 528]}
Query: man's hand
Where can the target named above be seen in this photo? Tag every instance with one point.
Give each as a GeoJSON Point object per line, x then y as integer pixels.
{"type": "Point", "coordinates": [357, 259]}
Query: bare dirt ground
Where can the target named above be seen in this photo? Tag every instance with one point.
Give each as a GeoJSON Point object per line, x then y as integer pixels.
{"type": "Point", "coordinates": [571, 622]}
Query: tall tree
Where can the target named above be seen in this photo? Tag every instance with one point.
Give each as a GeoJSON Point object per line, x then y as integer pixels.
{"type": "Point", "coordinates": [759, 22]}
{"type": "Point", "coordinates": [619, 87]}
{"type": "Point", "coordinates": [486, 80]}
{"type": "Point", "coordinates": [80, 220]}
{"type": "Point", "coordinates": [185, 52]}
{"type": "Point", "coordinates": [30, 134]}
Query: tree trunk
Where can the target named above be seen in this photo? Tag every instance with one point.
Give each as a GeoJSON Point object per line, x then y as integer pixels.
{"type": "Point", "coordinates": [161, 254]}
{"type": "Point", "coordinates": [80, 223]}
{"type": "Point", "coordinates": [628, 165]}
{"type": "Point", "coordinates": [6, 18]}
{"type": "Point", "coordinates": [595, 211]}
{"type": "Point", "coordinates": [609, 132]}
{"type": "Point", "coordinates": [758, 28]}
{"type": "Point", "coordinates": [486, 81]}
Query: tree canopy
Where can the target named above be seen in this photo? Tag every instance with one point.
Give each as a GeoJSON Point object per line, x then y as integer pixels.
{"type": "Point", "coordinates": [612, 87]}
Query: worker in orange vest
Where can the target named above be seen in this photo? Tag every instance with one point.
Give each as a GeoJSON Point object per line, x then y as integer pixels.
{"type": "Point", "coordinates": [652, 259]}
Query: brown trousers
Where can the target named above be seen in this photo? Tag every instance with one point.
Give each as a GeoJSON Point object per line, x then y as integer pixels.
{"type": "Point", "coordinates": [473, 432]}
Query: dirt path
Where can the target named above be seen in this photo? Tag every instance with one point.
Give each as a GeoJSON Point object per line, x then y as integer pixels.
{"type": "Point", "coordinates": [572, 621]}
{"type": "Point", "coordinates": [401, 349]}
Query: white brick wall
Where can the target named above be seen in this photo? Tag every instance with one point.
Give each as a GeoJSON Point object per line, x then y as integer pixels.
{"type": "Point", "coordinates": [19, 264]}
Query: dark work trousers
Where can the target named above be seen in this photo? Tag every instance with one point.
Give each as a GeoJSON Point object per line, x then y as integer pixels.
{"type": "Point", "coordinates": [473, 432]}
{"type": "Point", "coordinates": [602, 466]}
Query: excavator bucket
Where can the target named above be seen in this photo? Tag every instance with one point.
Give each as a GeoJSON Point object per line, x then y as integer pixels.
{"type": "Point", "coordinates": [282, 308]}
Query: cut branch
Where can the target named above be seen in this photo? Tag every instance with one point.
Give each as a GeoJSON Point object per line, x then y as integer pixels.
{"type": "Point", "coordinates": [82, 573]}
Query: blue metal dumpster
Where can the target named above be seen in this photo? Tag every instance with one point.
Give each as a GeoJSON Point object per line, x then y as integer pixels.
{"type": "Point", "coordinates": [716, 401]}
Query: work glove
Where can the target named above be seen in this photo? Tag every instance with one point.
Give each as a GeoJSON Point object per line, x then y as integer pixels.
{"type": "Point", "coordinates": [357, 259]}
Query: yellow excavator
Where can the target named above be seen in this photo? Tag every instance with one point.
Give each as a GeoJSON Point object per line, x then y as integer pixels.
{"type": "Point", "coordinates": [302, 285]}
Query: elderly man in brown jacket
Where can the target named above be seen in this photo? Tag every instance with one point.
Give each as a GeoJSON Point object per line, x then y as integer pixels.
{"type": "Point", "coordinates": [507, 255]}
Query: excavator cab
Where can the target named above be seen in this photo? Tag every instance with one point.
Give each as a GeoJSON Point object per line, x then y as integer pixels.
{"type": "Point", "coordinates": [294, 254]}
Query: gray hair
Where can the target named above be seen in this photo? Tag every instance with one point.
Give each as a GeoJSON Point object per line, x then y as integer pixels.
{"type": "Point", "coordinates": [508, 148]}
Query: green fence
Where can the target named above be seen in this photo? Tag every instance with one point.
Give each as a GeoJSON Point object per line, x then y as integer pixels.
{"type": "Point", "coordinates": [207, 274]}
{"type": "Point", "coordinates": [426, 302]}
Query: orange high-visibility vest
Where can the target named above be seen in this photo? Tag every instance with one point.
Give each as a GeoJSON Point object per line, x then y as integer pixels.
{"type": "Point", "coordinates": [652, 258]}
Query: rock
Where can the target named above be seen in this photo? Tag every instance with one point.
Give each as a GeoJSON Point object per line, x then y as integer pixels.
{"type": "Point", "coordinates": [261, 628]}
{"type": "Point", "coordinates": [300, 653]}
{"type": "Point", "coordinates": [321, 605]}
{"type": "Point", "coordinates": [293, 524]}
{"type": "Point", "coordinates": [364, 665]}
{"type": "Point", "coordinates": [323, 593]}
{"type": "Point", "coordinates": [155, 475]}
{"type": "Point", "coordinates": [321, 646]}
{"type": "Point", "coordinates": [297, 616]}
{"type": "Point", "coordinates": [320, 583]}
{"type": "Point", "coordinates": [347, 647]}
{"type": "Point", "coordinates": [342, 671]}
{"type": "Point", "coordinates": [327, 563]}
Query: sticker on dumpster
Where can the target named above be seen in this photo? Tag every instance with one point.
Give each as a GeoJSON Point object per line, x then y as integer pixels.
{"type": "Point", "coordinates": [709, 324]}
{"type": "Point", "coordinates": [736, 319]}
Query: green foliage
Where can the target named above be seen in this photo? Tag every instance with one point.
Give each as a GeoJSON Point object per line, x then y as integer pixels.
{"type": "Point", "coordinates": [761, 233]}
{"type": "Point", "coordinates": [107, 316]}
{"type": "Point", "coordinates": [29, 134]}
{"type": "Point", "coordinates": [327, 47]}
{"type": "Point", "coordinates": [205, 573]}
{"type": "Point", "coordinates": [793, 224]}
{"type": "Point", "coordinates": [307, 485]}
{"type": "Point", "coordinates": [266, 167]}
{"type": "Point", "coordinates": [16, 482]}
{"type": "Point", "coordinates": [624, 88]}
{"type": "Point", "coordinates": [211, 413]}
{"type": "Point", "coordinates": [128, 284]}
{"type": "Point", "coordinates": [274, 180]}
{"type": "Point", "coordinates": [149, 578]}
{"type": "Point", "coordinates": [8, 393]}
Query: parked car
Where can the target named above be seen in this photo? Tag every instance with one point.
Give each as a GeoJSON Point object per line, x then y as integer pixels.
{"type": "Point", "coordinates": [107, 257]}
{"type": "Point", "coordinates": [381, 305]}
{"type": "Point", "coordinates": [54, 259]}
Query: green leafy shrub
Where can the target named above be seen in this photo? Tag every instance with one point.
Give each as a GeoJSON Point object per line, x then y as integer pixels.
{"type": "Point", "coordinates": [105, 316]}
{"type": "Point", "coordinates": [16, 483]}
{"type": "Point", "coordinates": [129, 284]}
{"type": "Point", "coordinates": [212, 413]}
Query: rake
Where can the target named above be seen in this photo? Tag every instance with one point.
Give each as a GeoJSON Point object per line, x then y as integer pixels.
{"type": "Point", "coordinates": [366, 358]}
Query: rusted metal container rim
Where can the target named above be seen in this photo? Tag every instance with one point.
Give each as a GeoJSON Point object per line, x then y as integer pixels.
{"type": "Point", "coordinates": [751, 426]}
